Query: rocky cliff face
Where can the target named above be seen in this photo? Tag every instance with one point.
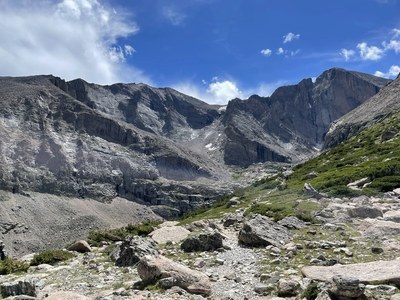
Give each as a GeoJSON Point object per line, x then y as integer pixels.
{"type": "Point", "coordinates": [377, 108]}
{"type": "Point", "coordinates": [293, 122]}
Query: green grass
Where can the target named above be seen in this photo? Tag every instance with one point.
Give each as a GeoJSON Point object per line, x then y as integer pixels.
{"type": "Point", "coordinates": [51, 257]}
{"type": "Point", "coordinates": [10, 265]}
{"type": "Point", "coordinates": [119, 234]}
{"type": "Point", "coordinates": [367, 154]}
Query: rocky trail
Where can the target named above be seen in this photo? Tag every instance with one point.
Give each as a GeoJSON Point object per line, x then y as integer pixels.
{"type": "Point", "coordinates": [352, 253]}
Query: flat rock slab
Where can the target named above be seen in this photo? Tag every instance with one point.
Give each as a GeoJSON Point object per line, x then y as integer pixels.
{"type": "Point", "coordinates": [370, 273]}
{"type": "Point", "coordinates": [166, 234]}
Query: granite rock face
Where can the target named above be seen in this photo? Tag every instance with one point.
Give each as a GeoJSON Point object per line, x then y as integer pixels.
{"type": "Point", "coordinates": [382, 105]}
{"type": "Point", "coordinates": [293, 121]}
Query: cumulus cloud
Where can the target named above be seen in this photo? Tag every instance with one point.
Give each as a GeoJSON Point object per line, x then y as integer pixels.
{"type": "Point", "coordinates": [71, 39]}
{"type": "Point", "coordinates": [215, 92]}
{"type": "Point", "coordinates": [223, 91]}
{"type": "Point", "coordinates": [370, 52]}
{"type": "Point", "coordinates": [290, 37]}
{"type": "Point", "coordinates": [391, 73]}
{"type": "Point", "coordinates": [392, 45]}
{"type": "Point", "coordinates": [174, 16]}
{"type": "Point", "coordinates": [280, 51]}
{"type": "Point", "coordinates": [266, 52]}
{"type": "Point", "coordinates": [347, 54]}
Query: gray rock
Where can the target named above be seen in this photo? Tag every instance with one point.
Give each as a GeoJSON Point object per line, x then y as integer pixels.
{"type": "Point", "coordinates": [292, 222]}
{"type": "Point", "coordinates": [153, 268]}
{"type": "Point", "coordinates": [261, 231]}
{"type": "Point", "coordinates": [371, 272]}
{"type": "Point", "coordinates": [80, 246]}
{"type": "Point", "coordinates": [203, 241]}
{"type": "Point", "coordinates": [288, 288]}
{"type": "Point", "coordinates": [26, 286]}
{"type": "Point", "coordinates": [263, 289]}
{"type": "Point", "coordinates": [349, 287]}
{"type": "Point", "coordinates": [132, 250]}
{"type": "Point", "coordinates": [232, 220]}
{"type": "Point", "coordinates": [365, 212]}
{"type": "Point", "coordinates": [309, 190]}
{"type": "Point", "coordinates": [167, 283]}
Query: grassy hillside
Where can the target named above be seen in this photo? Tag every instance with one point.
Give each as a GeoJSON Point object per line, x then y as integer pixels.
{"type": "Point", "coordinates": [374, 153]}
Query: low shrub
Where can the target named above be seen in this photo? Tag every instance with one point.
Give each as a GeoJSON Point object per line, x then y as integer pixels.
{"type": "Point", "coordinates": [10, 265]}
{"type": "Point", "coordinates": [51, 257]}
{"type": "Point", "coordinates": [119, 234]}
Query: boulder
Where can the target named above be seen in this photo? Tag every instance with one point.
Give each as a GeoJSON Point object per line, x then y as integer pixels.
{"type": "Point", "coordinates": [367, 273]}
{"type": "Point", "coordinates": [80, 246]}
{"type": "Point", "coordinates": [292, 222]}
{"type": "Point", "coordinates": [364, 212]}
{"type": "Point", "coordinates": [288, 288]}
{"type": "Point", "coordinates": [359, 184]}
{"type": "Point", "coordinates": [132, 250]}
{"type": "Point", "coordinates": [262, 231]}
{"type": "Point", "coordinates": [25, 286]}
{"type": "Point", "coordinates": [166, 234]}
{"type": "Point", "coordinates": [203, 241]}
{"type": "Point", "coordinates": [347, 287]}
{"type": "Point", "coordinates": [153, 268]}
{"type": "Point", "coordinates": [66, 295]}
{"type": "Point", "coordinates": [311, 191]}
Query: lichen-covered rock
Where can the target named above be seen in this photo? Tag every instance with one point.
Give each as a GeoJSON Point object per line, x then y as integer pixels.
{"type": "Point", "coordinates": [24, 286]}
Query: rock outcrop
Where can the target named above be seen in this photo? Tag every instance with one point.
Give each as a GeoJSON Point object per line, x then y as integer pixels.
{"type": "Point", "coordinates": [377, 108]}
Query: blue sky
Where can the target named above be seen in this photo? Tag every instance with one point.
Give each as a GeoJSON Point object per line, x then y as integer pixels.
{"type": "Point", "coordinates": [212, 49]}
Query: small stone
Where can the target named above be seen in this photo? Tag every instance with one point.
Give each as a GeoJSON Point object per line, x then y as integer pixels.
{"type": "Point", "coordinates": [346, 251]}
{"type": "Point", "coordinates": [347, 287]}
{"type": "Point", "coordinates": [167, 283]}
{"type": "Point", "coordinates": [219, 261]}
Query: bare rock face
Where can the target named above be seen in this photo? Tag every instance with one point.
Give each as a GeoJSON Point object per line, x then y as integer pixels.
{"type": "Point", "coordinates": [382, 105]}
{"type": "Point", "coordinates": [203, 241]}
{"type": "Point", "coordinates": [153, 268]}
{"type": "Point", "coordinates": [287, 125]}
{"type": "Point", "coordinates": [261, 231]}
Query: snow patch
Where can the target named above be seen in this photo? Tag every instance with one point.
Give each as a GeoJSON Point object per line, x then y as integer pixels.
{"type": "Point", "coordinates": [222, 109]}
{"type": "Point", "coordinates": [210, 147]}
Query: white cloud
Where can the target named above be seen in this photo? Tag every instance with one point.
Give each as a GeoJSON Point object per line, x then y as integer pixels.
{"type": "Point", "coordinates": [223, 91]}
{"type": "Point", "coordinates": [290, 37]}
{"type": "Point", "coordinates": [266, 52]}
{"type": "Point", "coordinates": [294, 53]}
{"type": "Point", "coordinates": [71, 39]}
{"type": "Point", "coordinates": [391, 73]}
{"type": "Point", "coordinates": [347, 53]}
{"type": "Point", "coordinates": [370, 52]}
{"type": "Point", "coordinates": [392, 45]}
{"type": "Point", "coordinates": [280, 51]}
{"type": "Point", "coordinates": [174, 16]}
{"type": "Point", "coordinates": [216, 92]}
{"type": "Point", "coordinates": [396, 32]}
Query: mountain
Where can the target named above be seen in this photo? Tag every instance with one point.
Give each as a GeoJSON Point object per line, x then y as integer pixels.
{"type": "Point", "coordinates": [165, 152]}
{"type": "Point", "coordinates": [291, 124]}
{"type": "Point", "coordinates": [376, 109]}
